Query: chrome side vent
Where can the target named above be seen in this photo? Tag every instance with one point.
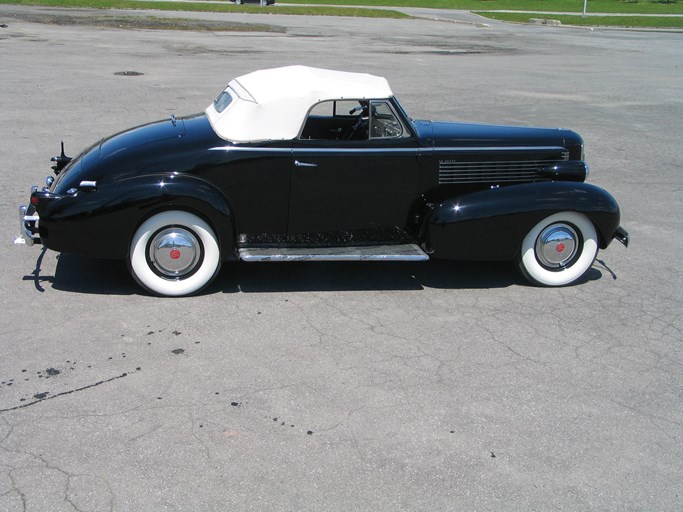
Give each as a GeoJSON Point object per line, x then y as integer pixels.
{"type": "Point", "coordinates": [455, 172]}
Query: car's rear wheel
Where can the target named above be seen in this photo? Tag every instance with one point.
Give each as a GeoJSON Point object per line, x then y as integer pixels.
{"type": "Point", "coordinates": [174, 253]}
{"type": "Point", "coordinates": [558, 250]}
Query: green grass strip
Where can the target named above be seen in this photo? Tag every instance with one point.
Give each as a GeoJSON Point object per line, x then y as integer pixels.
{"type": "Point", "coordinates": [592, 21]}
{"type": "Point", "coordinates": [206, 7]}
{"type": "Point", "coordinates": [606, 6]}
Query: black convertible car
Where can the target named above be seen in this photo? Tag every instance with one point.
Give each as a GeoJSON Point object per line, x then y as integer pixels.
{"type": "Point", "coordinates": [299, 163]}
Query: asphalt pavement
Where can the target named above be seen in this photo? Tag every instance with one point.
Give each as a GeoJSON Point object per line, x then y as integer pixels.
{"type": "Point", "coordinates": [346, 386]}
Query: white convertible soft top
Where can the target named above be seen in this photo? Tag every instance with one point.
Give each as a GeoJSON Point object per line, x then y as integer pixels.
{"type": "Point", "coordinates": [272, 104]}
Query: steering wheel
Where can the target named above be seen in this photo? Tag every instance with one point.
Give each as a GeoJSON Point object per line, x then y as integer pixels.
{"type": "Point", "coordinates": [360, 131]}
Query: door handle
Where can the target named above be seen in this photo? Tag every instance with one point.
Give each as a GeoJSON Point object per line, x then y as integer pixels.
{"type": "Point", "coordinates": [304, 164]}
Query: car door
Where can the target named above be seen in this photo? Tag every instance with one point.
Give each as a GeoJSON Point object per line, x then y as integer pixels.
{"type": "Point", "coordinates": [363, 181]}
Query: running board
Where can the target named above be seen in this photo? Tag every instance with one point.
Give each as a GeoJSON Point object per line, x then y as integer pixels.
{"type": "Point", "coordinates": [405, 252]}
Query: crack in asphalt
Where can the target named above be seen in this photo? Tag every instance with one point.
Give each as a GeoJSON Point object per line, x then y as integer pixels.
{"type": "Point", "coordinates": [70, 392]}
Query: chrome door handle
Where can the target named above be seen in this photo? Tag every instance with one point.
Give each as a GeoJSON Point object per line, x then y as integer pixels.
{"type": "Point", "coordinates": [304, 164]}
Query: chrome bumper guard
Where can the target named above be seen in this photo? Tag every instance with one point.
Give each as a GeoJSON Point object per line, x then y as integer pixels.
{"type": "Point", "coordinates": [28, 226]}
{"type": "Point", "coordinates": [622, 236]}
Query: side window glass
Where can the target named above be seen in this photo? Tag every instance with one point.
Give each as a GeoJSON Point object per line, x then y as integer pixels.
{"type": "Point", "coordinates": [323, 109]}
{"type": "Point", "coordinates": [384, 123]}
{"type": "Point", "coordinates": [335, 120]}
{"type": "Point", "coordinates": [345, 108]}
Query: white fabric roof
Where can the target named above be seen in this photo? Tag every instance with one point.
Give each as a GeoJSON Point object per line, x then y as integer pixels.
{"type": "Point", "coordinates": [272, 104]}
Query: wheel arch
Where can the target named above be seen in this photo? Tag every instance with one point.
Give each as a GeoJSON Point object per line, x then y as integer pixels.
{"type": "Point", "coordinates": [491, 224]}
{"type": "Point", "coordinates": [102, 223]}
{"type": "Point", "coordinates": [200, 198]}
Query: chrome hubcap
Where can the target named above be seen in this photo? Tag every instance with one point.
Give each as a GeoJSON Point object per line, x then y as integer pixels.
{"type": "Point", "coordinates": [557, 245]}
{"type": "Point", "coordinates": [174, 252]}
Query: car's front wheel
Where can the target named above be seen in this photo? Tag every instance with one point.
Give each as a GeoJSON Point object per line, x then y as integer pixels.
{"type": "Point", "coordinates": [174, 253]}
{"type": "Point", "coordinates": [558, 250]}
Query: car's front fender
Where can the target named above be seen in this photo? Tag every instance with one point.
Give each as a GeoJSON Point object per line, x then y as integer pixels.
{"type": "Point", "coordinates": [491, 224]}
{"type": "Point", "coordinates": [101, 220]}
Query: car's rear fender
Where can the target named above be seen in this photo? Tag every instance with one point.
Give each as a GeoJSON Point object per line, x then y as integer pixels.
{"type": "Point", "coordinates": [101, 222]}
{"type": "Point", "coordinates": [491, 224]}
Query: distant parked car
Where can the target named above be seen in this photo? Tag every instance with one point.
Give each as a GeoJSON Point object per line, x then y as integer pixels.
{"type": "Point", "coordinates": [306, 164]}
{"type": "Point", "coordinates": [266, 2]}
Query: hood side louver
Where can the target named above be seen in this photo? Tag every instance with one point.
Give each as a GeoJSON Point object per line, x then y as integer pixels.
{"type": "Point", "coordinates": [525, 171]}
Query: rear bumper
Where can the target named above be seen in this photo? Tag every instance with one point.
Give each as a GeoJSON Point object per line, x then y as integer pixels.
{"type": "Point", "coordinates": [622, 236]}
{"type": "Point", "coordinates": [28, 226]}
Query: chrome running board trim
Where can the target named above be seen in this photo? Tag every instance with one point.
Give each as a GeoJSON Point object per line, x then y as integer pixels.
{"type": "Point", "coordinates": [404, 252]}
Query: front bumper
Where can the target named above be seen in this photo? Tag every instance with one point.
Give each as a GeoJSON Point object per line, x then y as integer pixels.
{"type": "Point", "coordinates": [28, 226]}
{"type": "Point", "coordinates": [621, 235]}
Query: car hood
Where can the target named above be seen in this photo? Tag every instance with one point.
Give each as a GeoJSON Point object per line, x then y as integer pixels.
{"type": "Point", "coordinates": [442, 134]}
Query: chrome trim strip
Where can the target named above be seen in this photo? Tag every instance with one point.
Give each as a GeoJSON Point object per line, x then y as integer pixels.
{"type": "Point", "coordinates": [307, 151]}
{"type": "Point", "coordinates": [250, 149]}
{"type": "Point", "coordinates": [314, 151]}
{"type": "Point", "coordinates": [428, 150]}
{"type": "Point", "coordinates": [407, 252]}
{"type": "Point", "coordinates": [501, 163]}
{"type": "Point", "coordinates": [496, 148]}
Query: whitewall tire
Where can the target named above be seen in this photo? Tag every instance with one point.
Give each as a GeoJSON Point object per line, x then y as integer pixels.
{"type": "Point", "coordinates": [559, 249]}
{"type": "Point", "coordinates": [174, 253]}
